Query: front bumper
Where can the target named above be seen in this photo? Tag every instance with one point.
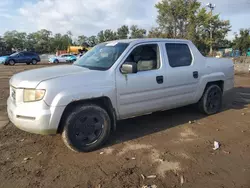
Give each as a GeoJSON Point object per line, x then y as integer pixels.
{"type": "Point", "coordinates": [2, 62]}
{"type": "Point", "coordinates": [39, 119]}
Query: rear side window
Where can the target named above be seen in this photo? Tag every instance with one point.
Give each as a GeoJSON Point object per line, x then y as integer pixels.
{"type": "Point", "coordinates": [179, 55]}
{"type": "Point", "coordinates": [28, 54]}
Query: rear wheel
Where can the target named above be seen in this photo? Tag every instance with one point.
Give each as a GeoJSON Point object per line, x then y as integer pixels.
{"type": "Point", "coordinates": [34, 62]}
{"type": "Point", "coordinates": [86, 128]}
{"type": "Point", "coordinates": [211, 101]}
{"type": "Point", "coordinates": [12, 62]}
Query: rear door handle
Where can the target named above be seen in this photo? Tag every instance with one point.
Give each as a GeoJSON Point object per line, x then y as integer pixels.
{"type": "Point", "coordinates": [195, 74]}
{"type": "Point", "coordinates": [159, 79]}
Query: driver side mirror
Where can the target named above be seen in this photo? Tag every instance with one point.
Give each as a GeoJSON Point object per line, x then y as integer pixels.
{"type": "Point", "coordinates": [129, 67]}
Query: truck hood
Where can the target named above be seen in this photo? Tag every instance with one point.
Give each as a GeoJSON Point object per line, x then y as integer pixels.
{"type": "Point", "coordinates": [31, 78]}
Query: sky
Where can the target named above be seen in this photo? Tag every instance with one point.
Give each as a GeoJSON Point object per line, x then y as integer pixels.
{"type": "Point", "coordinates": [88, 17]}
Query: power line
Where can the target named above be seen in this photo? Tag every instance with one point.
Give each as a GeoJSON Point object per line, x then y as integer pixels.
{"type": "Point", "coordinates": [235, 4]}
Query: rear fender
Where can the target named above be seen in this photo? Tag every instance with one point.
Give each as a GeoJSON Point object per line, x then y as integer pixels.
{"type": "Point", "coordinates": [213, 77]}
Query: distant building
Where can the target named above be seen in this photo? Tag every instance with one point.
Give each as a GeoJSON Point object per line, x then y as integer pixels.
{"type": "Point", "coordinates": [228, 52]}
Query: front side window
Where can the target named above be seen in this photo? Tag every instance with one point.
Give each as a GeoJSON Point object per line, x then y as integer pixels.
{"type": "Point", "coordinates": [21, 54]}
{"type": "Point", "coordinates": [102, 56]}
{"type": "Point", "coordinates": [147, 57]}
{"type": "Point", "coordinates": [179, 55]}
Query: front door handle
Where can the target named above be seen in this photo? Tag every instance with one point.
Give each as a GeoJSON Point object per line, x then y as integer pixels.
{"type": "Point", "coordinates": [195, 74]}
{"type": "Point", "coordinates": [159, 79]}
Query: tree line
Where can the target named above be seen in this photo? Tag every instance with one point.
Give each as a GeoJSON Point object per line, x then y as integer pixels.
{"type": "Point", "coordinates": [185, 19]}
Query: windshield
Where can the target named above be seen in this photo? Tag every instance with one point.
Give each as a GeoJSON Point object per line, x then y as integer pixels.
{"type": "Point", "coordinates": [14, 54]}
{"type": "Point", "coordinates": [102, 56]}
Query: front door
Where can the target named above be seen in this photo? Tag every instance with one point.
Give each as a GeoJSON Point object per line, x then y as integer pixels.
{"type": "Point", "coordinates": [142, 92]}
{"type": "Point", "coordinates": [20, 58]}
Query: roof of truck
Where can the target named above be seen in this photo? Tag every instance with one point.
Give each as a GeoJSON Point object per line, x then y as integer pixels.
{"type": "Point", "coordinates": [148, 40]}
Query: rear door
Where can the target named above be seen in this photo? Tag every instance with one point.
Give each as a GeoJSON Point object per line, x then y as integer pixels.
{"type": "Point", "coordinates": [182, 74]}
{"type": "Point", "coordinates": [27, 57]}
{"type": "Point", "coordinates": [142, 92]}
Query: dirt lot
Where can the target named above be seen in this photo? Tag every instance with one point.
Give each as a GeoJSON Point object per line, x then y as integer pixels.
{"type": "Point", "coordinates": [163, 146]}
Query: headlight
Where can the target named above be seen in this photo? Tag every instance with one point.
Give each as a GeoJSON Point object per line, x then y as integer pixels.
{"type": "Point", "coordinates": [31, 95]}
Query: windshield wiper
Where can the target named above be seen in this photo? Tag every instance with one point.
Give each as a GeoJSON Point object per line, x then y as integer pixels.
{"type": "Point", "coordinates": [81, 66]}
{"type": "Point", "coordinates": [92, 68]}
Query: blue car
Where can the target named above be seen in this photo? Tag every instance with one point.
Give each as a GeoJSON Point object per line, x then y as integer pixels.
{"type": "Point", "coordinates": [2, 59]}
{"type": "Point", "coordinates": [22, 57]}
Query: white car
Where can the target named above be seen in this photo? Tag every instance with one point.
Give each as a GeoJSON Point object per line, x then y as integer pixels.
{"type": "Point", "coordinates": [113, 81]}
{"type": "Point", "coordinates": [63, 58]}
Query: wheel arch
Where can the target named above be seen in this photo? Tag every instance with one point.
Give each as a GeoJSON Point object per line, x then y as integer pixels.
{"type": "Point", "coordinates": [33, 59]}
{"type": "Point", "coordinates": [11, 60]}
{"type": "Point", "coordinates": [217, 78]}
{"type": "Point", "coordinates": [219, 83]}
{"type": "Point", "coordinates": [103, 102]}
{"type": "Point", "coordinates": [54, 61]}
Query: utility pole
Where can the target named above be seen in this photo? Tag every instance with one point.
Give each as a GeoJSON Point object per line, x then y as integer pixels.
{"type": "Point", "coordinates": [211, 6]}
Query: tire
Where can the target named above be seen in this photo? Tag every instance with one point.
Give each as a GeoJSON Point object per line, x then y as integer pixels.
{"type": "Point", "coordinates": [56, 61]}
{"type": "Point", "coordinates": [211, 101]}
{"type": "Point", "coordinates": [34, 62]}
{"type": "Point", "coordinates": [86, 128]}
{"type": "Point", "coordinates": [11, 62]}
{"type": "Point", "coordinates": [28, 63]}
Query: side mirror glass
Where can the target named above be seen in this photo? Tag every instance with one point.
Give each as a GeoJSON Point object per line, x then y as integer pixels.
{"type": "Point", "coordinates": [129, 67]}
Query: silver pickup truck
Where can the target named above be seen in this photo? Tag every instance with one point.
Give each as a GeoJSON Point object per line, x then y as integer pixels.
{"type": "Point", "coordinates": [113, 81]}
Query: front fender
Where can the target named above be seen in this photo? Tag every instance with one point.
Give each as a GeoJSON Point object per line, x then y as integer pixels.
{"type": "Point", "coordinates": [77, 94]}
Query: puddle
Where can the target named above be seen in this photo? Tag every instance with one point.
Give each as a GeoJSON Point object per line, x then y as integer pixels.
{"type": "Point", "coordinates": [167, 166]}
{"type": "Point", "coordinates": [108, 151]}
{"type": "Point", "coordinates": [186, 136]}
{"type": "Point", "coordinates": [163, 166]}
{"type": "Point", "coordinates": [133, 147]}
{"type": "Point", "coordinates": [188, 133]}
{"type": "Point", "coordinates": [155, 156]}
{"type": "Point", "coordinates": [183, 155]}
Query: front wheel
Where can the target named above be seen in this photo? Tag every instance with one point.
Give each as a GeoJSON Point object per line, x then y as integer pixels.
{"type": "Point", "coordinates": [12, 62]}
{"type": "Point", "coordinates": [211, 101]}
{"type": "Point", "coordinates": [56, 61]}
{"type": "Point", "coordinates": [86, 128]}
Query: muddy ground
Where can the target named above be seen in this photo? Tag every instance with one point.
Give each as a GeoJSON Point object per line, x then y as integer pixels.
{"type": "Point", "coordinates": [161, 150]}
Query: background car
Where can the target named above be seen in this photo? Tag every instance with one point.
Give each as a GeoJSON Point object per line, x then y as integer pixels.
{"type": "Point", "coordinates": [22, 57]}
{"type": "Point", "coordinates": [2, 59]}
{"type": "Point", "coordinates": [63, 58]}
